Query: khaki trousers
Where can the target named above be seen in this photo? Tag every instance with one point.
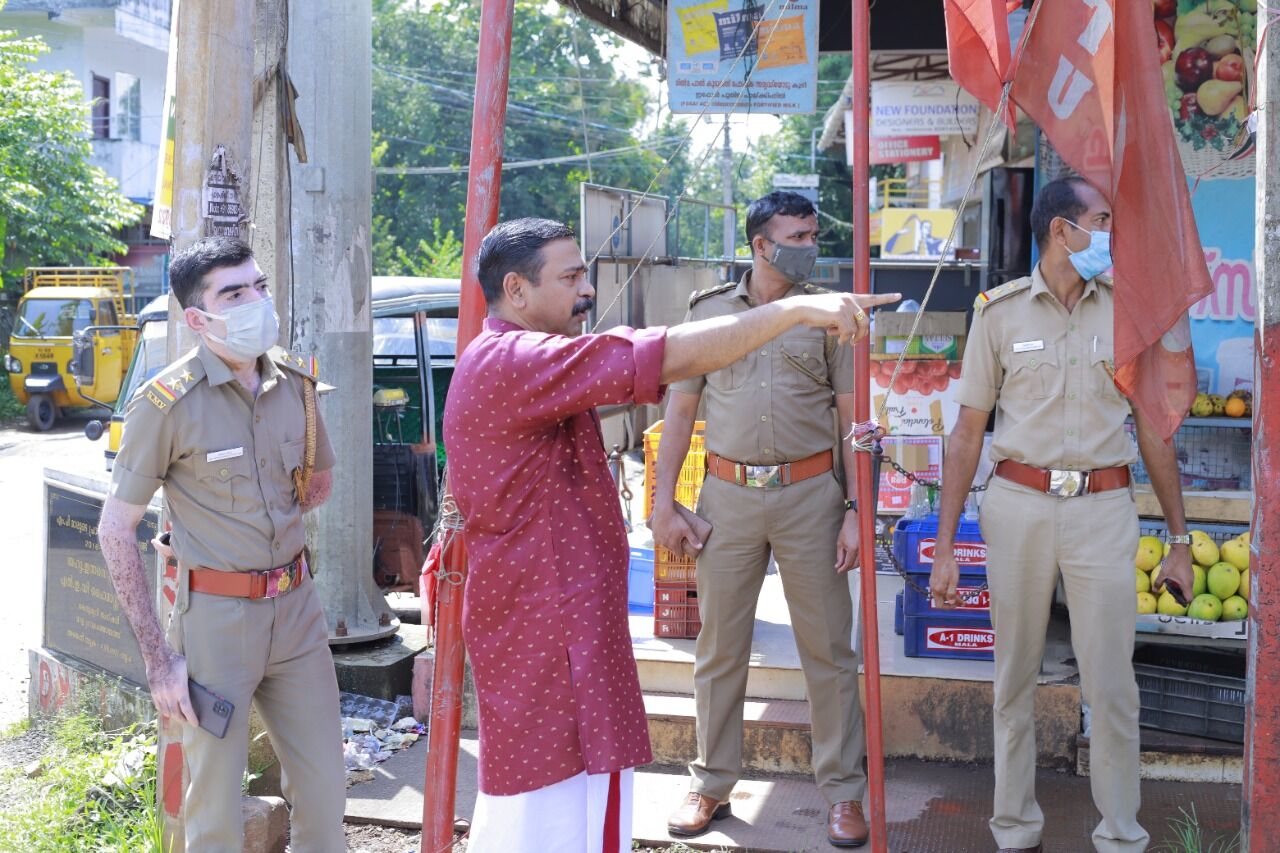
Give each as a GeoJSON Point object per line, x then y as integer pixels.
{"type": "Point", "coordinates": [800, 523]}
{"type": "Point", "coordinates": [273, 653]}
{"type": "Point", "coordinates": [1031, 538]}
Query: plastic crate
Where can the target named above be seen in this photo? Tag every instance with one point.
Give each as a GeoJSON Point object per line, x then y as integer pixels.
{"type": "Point", "coordinates": [1216, 531]}
{"type": "Point", "coordinates": [692, 473]}
{"type": "Point", "coordinates": [955, 636]}
{"type": "Point", "coordinates": [675, 612]}
{"type": "Point", "coordinates": [1191, 692]}
{"type": "Point", "coordinates": [898, 626]}
{"type": "Point", "coordinates": [640, 579]}
{"type": "Point", "coordinates": [914, 540]}
{"type": "Point", "coordinates": [917, 604]}
{"type": "Point", "coordinates": [668, 566]}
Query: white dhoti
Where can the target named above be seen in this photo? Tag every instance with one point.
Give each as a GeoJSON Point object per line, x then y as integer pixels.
{"type": "Point", "coordinates": [582, 814]}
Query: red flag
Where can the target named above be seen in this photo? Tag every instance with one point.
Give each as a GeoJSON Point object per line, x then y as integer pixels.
{"type": "Point", "coordinates": [1090, 78]}
{"type": "Point", "coordinates": [978, 49]}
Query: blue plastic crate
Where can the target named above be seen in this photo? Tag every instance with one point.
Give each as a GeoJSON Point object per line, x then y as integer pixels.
{"type": "Point", "coordinates": [917, 604]}
{"type": "Point", "coordinates": [640, 580]}
{"type": "Point", "coordinates": [956, 637]}
{"type": "Point", "coordinates": [897, 614]}
{"type": "Point", "coordinates": [914, 540]}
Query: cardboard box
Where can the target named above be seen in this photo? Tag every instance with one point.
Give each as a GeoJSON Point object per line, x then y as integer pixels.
{"type": "Point", "coordinates": [921, 455]}
{"type": "Point", "coordinates": [923, 403]}
{"type": "Point", "coordinates": [940, 335]}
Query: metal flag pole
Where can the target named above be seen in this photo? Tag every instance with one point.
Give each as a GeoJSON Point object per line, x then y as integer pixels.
{"type": "Point", "coordinates": [861, 89]}
{"type": "Point", "coordinates": [484, 187]}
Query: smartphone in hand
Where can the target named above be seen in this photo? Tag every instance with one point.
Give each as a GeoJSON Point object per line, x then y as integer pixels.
{"type": "Point", "coordinates": [212, 711]}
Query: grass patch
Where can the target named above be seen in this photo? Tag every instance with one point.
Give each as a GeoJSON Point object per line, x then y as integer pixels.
{"type": "Point", "coordinates": [97, 793]}
{"type": "Point", "coordinates": [18, 729]}
{"type": "Point", "coordinates": [11, 411]}
{"type": "Point", "coordinates": [1187, 836]}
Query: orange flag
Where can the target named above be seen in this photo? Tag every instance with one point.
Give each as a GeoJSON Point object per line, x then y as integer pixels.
{"type": "Point", "coordinates": [978, 49]}
{"type": "Point", "coordinates": [1090, 78]}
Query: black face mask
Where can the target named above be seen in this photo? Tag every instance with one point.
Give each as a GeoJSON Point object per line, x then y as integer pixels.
{"type": "Point", "coordinates": [795, 263]}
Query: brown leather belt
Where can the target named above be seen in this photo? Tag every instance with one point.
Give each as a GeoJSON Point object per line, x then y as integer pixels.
{"type": "Point", "coordinates": [1064, 484]}
{"type": "Point", "coordinates": [268, 584]}
{"type": "Point", "coordinates": [768, 476]}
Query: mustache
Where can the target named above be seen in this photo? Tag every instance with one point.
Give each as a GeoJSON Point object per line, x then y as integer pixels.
{"type": "Point", "coordinates": [582, 306]}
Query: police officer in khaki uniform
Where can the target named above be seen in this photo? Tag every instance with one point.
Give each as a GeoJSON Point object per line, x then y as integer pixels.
{"type": "Point", "coordinates": [1041, 354]}
{"type": "Point", "coordinates": [232, 433]}
{"type": "Point", "coordinates": [773, 453]}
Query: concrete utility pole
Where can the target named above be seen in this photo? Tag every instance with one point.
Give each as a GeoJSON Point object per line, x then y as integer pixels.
{"type": "Point", "coordinates": [726, 181]}
{"type": "Point", "coordinates": [1260, 803]}
{"type": "Point", "coordinates": [331, 63]}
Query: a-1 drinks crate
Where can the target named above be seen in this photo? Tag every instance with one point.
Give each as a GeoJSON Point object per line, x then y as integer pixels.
{"type": "Point", "coordinates": [1191, 691]}
{"type": "Point", "coordinates": [669, 567]}
{"type": "Point", "coordinates": [675, 611]}
{"type": "Point", "coordinates": [956, 636]}
{"type": "Point", "coordinates": [915, 539]}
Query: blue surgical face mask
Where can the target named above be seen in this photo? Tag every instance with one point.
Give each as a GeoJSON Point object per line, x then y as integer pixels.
{"type": "Point", "coordinates": [1095, 260]}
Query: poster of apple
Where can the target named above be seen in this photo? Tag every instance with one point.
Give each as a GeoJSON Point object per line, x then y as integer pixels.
{"type": "Point", "coordinates": [1206, 51]}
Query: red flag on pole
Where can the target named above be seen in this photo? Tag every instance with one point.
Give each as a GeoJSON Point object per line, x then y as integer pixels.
{"type": "Point", "coordinates": [978, 49]}
{"type": "Point", "coordinates": [1090, 78]}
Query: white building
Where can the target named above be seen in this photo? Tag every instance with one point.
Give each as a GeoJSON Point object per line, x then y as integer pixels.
{"type": "Point", "coordinates": [117, 49]}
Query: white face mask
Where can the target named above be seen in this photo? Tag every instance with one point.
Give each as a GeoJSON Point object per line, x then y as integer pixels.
{"type": "Point", "coordinates": [252, 329]}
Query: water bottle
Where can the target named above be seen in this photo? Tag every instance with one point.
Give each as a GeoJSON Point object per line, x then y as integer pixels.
{"type": "Point", "coordinates": [971, 507]}
{"type": "Point", "coordinates": [918, 505]}
{"type": "Point", "coordinates": [909, 306]}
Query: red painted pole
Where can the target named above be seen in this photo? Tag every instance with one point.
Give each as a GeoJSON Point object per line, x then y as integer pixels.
{"type": "Point", "coordinates": [1260, 799]}
{"type": "Point", "coordinates": [484, 188]}
{"type": "Point", "coordinates": [861, 87]}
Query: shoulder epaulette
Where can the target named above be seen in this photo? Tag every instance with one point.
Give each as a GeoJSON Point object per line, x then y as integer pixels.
{"type": "Point", "coordinates": [700, 295]}
{"type": "Point", "coordinates": [997, 293]}
{"type": "Point", "coordinates": [172, 383]}
{"type": "Point", "coordinates": [811, 288]}
{"type": "Point", "coordinates": [303, 365]}
{"type": "Point", "coordinates": [1105, 279]}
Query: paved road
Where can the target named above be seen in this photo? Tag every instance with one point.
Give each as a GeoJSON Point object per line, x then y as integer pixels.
{"type": "Point", "coordinates": [23, 457]}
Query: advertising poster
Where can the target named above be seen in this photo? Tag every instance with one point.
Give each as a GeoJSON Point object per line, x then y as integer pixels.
{"type": "Point", "coordinates": [914, 232]}
{"type": "Point", "coordinates": [716, 47]}
{"type": "Point", "coordinates": [1222, 323]}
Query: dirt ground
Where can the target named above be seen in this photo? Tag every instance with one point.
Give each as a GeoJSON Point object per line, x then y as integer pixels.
{"type": "Point", "coordinates": [365, 838]}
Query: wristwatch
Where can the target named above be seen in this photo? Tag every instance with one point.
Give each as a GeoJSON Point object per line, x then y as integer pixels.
{"type": "Point", "coordinates": [1177, 539]}
{"type": "Point", "coordinates": [850, 505]}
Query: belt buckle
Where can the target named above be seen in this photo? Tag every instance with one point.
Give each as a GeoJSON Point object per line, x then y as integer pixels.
{"type": "Point", "coordinates": [1068, 484]}
{"type": "Point", "coordinates": [763, 476]}
{"type": "Point", "coordinates": [279, 581]}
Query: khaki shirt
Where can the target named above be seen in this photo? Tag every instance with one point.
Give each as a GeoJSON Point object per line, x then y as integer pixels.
{"type": "Point", "coordinates": [777, 403]}
{"type": "Point", "coordinates": [225, 459]}
{"type": "Point", "coordinates": [1048, 375]}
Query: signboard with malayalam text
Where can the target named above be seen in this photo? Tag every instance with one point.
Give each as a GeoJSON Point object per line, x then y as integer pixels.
{"type": "Point", "coordinates": [82, 616]}
{"type": "Point", "coordinates": [748, 56]}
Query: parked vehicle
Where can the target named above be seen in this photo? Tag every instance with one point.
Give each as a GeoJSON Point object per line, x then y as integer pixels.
{"type": "Point", "coordinates": [59, 305]}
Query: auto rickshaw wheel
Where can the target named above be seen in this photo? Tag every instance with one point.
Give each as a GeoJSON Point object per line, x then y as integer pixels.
{"type": "Point", "coordinates": [41, 413]}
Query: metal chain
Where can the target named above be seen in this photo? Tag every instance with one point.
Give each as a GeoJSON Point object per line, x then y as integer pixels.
{"type": "Point", "coordinates": [887, 544]}
{"type": "Point", "coordinates": [933, 484]}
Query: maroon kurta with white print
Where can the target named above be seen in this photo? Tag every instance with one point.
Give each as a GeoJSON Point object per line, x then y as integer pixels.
{"type": "Point", "coordinates": [545, 610]}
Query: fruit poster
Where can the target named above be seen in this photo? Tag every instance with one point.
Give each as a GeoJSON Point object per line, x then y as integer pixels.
{"type": "Point", "coordinates": [744, 56]}
{"type": "Point", "coordinates": [922, 399]}
{"type": "Point", "coordinates": [1206, 51]}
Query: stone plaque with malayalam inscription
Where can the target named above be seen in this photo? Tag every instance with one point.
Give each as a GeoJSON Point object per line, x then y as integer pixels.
{"type": "Point", "coordinates": [82, 616]}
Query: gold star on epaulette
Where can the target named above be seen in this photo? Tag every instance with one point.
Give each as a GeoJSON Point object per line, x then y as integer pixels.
{"type": "Point", "coordinates": [186, 376]}
{"type": "Point", "coordinates": [178, 385]}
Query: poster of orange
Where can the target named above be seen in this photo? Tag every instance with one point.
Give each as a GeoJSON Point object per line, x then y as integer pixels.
{"type": "Point", "coordinates": [915, 232]}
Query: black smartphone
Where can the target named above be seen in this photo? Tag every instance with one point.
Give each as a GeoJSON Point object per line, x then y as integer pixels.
{"type": "Point", "coordinates": [1175, 589]}
{"type": "Point", "coordinates": [212, 711]}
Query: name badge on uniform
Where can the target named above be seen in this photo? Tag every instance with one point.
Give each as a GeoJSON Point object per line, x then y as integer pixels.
{"type": "Point", "coordinates": [1027, 346]}
{"type": "Point", "coordinates": [219, 455]}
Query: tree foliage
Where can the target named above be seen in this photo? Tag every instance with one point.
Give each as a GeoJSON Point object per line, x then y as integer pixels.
{"type": "Point", "coordinates": [56, 208]}
{"type": "Point", "coordinates": [563, 76]}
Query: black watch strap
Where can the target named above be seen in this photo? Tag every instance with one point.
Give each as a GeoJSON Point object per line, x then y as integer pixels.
{"type": "Point", "coordinates": [850, 504]}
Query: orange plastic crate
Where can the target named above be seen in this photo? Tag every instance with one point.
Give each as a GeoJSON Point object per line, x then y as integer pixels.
{"type": "Point", "coordinates": [676, 621]}
{"type": "Point", "coordinates": [689, 483]}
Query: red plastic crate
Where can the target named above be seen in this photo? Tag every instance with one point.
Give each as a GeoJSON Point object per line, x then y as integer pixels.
{"type": "Point", "coordinates": [675, 611]}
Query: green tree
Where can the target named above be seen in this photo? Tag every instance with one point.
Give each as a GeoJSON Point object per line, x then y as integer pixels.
{"type": "Point", "coordinates": [55, 206]}
{"type": "Point", "coordinates": [563, 76]}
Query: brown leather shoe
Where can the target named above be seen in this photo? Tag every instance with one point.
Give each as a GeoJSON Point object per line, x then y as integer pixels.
{"type": "Point", "coordinates": [1039, 848]}
{"type": "Point", "coordinates": [695, 815]}
{"type": "Point", "coordinates": [846, 826]}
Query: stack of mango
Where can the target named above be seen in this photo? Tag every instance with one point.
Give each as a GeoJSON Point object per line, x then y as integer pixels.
{"type": "Point", "coordinates": [1221, 590]}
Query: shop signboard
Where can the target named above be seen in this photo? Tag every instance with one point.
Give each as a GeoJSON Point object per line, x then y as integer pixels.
{"type": "Point", "coordinates": [914, 232]}
{"type": "Point", "coordinates": [922, 108]}
{"type": "Point", "coordinates": [726, 56]}
{"type": "Point", "coordinates": [904, 149]}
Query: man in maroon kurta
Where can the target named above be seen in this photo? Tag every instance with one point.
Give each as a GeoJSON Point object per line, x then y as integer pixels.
{"type": "Point", "coordinates": [545, 606]}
